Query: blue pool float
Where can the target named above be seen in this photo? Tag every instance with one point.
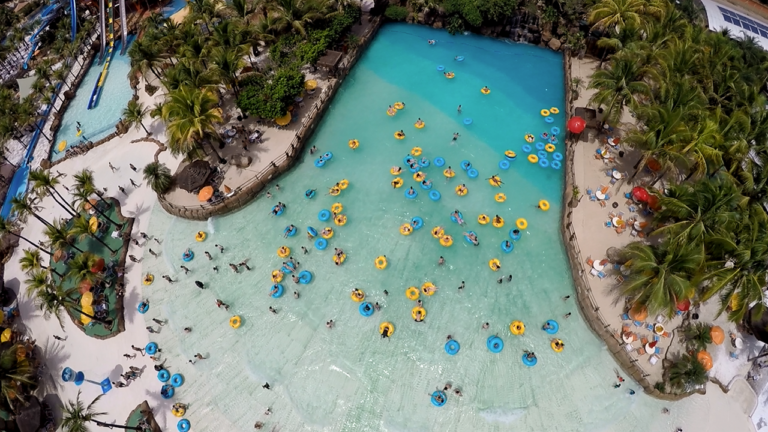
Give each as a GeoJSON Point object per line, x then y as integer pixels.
{"type": "Point", "coordinates": [544, 163]}
{"type": "Point", "coordinates": [542, 154]}
{"type": "Point", "coordinates": [472, 173]}
{"type": "Point", "coordinates": [327, 156]}
{"type": "Point", "coordinates": [439, 162]}
{"type": "Point", "coordinates": [465, 165]}
{"type": "Point", "coordinates": [411, 193]}
{"type": "Point", "coordinates": [434, 195]}
{"type": "Point", "coordinates": [441, 68]}
{"type": "Point", "coordinates": [442, 395]}
{"type": "Point", "coordinates": [288, 267]}
{"type": "Point", "coordinates": [452, 347]}
{"type": "Point", "coordinates": [279, 292]}
{"type": "Point", "coordinates": [143, 307]}
{"type": "Point", "coordinates": [515, 234]}
{"type": "Point", "coordinates": [529, 363]}
{"type": "Point", "coordinates": [459, 58]}
{"type": "Point", "coordinates": [183, 425]}
{"type": "Point", "coordinates": [553, 140]}
{"type": "Point", "coordinates": [151, 348]}
{"type": "Point", "coordinates": [417, 222]}
{"type": "Point", "coordinates": [467, 121]}
{"type": "Point", "coordinates": [544, 136]}
{"type": "Point", "coordinates": [290, 231]}
{"type": "Point", "coordinates": [309, 194]}
{"type": "Point", "coordinates": [426, 186]}
{"type": "Point", "coordinates": [320, 162]}
{"type": "Point", "coordinates": [187, 256]}
{"type": "Point", "coordinates": [555, 164]}
{"type": "Point", "coordinates": [177, 380]}
{"type": "Point", "coordinates": [507, 246]}
{"type": "Point", "coordinates": [167, 391]}
{"type": "Point", "coordinates": [366, 309]}
{"type": "Point", "coordinates": [540, 145]}
{"type": "Point", "coordinates": [494, 344]}
{"type": "Point", "coordinates": [408, 159]}
{"type": "Point", "coordinates": [553, 327]}
{"type": "Point", "coordinates": [324, 215]}
{"type": "Point", "coordinates": [468, 239]}
{"type": "Point", "coordinates": [527, 148]}
{"type": "Point", "coordinates": [453, 218]}
{"type": "Point", "coordinates": [321, 244]}
{"type": "Point", "coordinates": [416, 168]}
{"type": "Point", "coordinates": [504, 164]}
{"type": "Point", "coordinates": [555, 130]}
{"type": "Point", "coordinates": [549, 119]}
{"type": "Point", "coordinates": [305, 277]}
{"type": "Point", "coordinates": [279, 210]}
{"type": "Point", "coordinates": [424, 162]}
{"type": "Point", "coordinates": [163, 375]}
{"type": "Point", "coordinates": [311, 231]}
{"type": "Point", "coordinates": [557, 156]}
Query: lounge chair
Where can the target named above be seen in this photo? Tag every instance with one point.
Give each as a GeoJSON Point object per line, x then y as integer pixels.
{"type": "Point", "coordinates": [657, 350]}
{"type": "Point", "coordinates": [628, 195]}
{"type": "Point", "coordinates": [608, 224]}
{"type": "Point", "coordinates": [607, 197]}
{"type": "Point", "coordinates": [653, 359]}
{"type": "Point", "coordinates": [593, 272]}
{"type": "Point", "coordinates": [644, 341]}
{"type": "Point", "coordinates": [601, 275]}
{"type": "Point", "coordinates": [619, 279]}
{"type": "Point", "coordinates": [633, 209]}
{"type": "Point", "coordinates": [665, 334]}
{"type": "Point", "coordinates": [602, 203]}
{"type": "Point", "coordinates": [613, 181]}
{"type": "Point", "coordinates": [589, 191]}
{"type": "Point", "coordinates": [633, 233]}
{"type": "Point", "coordinates": [592, 198]}
{"type": "Point", "coordinates": [609, 173]}
{"type": "Point", "coordinates": [637, 323]}
{"type": "Point", "coordinates": [649, 327]}
{"type": "Point", "coordinates": [641, 351]}
{"type": "Point", "coordinates": [625, 317]}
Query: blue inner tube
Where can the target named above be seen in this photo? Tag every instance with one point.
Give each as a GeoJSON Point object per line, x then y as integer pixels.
{"type": "Point", "coordinates": [319, 162]}
{"type": "Point", "coordinates": [507, 248]}
{"type": "Point", "coordinates": [452, 347]}
{"type": "Point", "coordinates": [411, 193]}
{"type": "Point", "coordinates": [549, 119]}
{"type": "Point", "coordinates": [472, 173]}
{"type": "Point", "coordinates": [544, 135]}
{"type": "Point", "coordinates": [494, 344]}
{"type": "Point", "coordinates": [183, 425]}
{"type": "Point", "coordinates": [515, 234]}
{"type": "Point", "coordinates": [542, 154]}
{"type": "Point", "coordinates": [504, 164]}
{"type": "Point", "coordinates": [467, 121]}
{"type": "Point", "coordinates": [324, 215]}
{"type": "Point", "coordinates": [279, 210]}
{"type": "Point", "coordinates": [408, 159]}
{"type": "Point", "coordinates": [453, 218]}
{"type": "Point", "coordinates": [465, 165]}
{"type": "Point", "coordinates": [553, 327]}
{"type": "Point", "coordinates": [321, 244]}
{"type": "Point", "coordinates": [279, 292]}
{"type": "Point", "coordinates": [290, 231]}
{"type": "Point", "coordinates": [440, 67]}
{"type": "Point", "coordinates": [544, 163]}
{"type": "Point", "coordinates": [555, 130]}
{"type": "Point", "coordinates": [434, 195]}
{"type": "Point", "coordinates": [417, 222]}
{"type": "Point", "coordinates": [460, 58]}
{"type": "Point", "coordinates": [415, 168]}
{"type": "Point", "coordinates": [305, 276]}
{"type": "Point", "coordinates": [540, 146]}
{"type": "Point", "coordinates": [557, 156]}
{"type": "Point", "coordinates": [527, 148]}
{"type": "Point", "coordinates": [311, 231]}
{"type": "Point", "coordinates": [187, 258]}
{"type": "Point", "coordinates": [143, 308]}
{"type": "Point", "coordinates": [434, 396]}
{"type": "Point", "coordinates": [288, 267]}
{"type": "Point", "coordinates": [167, 391]}
{"type": "Point", "coordinates": [327, 156]}
{"type": "Point", "coordinates": [555, 164]}
{"type": "Point", "coordinates": [151, 348]}
{"type": "Point", "coordinates": [529, 363]}
{"type": "Point", "coordinates": [553, 140]}
{"type": "Point", "coordinates": [177, 380]}
{"type": "Point", "coordinates": [427, 186]}
{"type": "Point", "coordinates": [309, 194]}
{"type": "Point", "coordinates": [439, 162]}
{"type": "Point", "coordinates": [163, 375]}
{"type": "Point", "coordinates": [366, 309]}
{"type": "Point", "coordinates": [468, 239]}
{"type": "Point", "coordinates": [424, 162]}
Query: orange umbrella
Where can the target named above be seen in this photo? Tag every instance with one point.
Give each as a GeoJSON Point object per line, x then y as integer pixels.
{"type": "Point", "coordinates": [91, 202]}
{"type": "Point", "coordinates": [638, 312]}
{"type": "Point", "coordinates": [58, 255]}
{"type": "Point", "coordinates": [205, 194]}
{"type": "Point", "coordinates": [85, 286]}
{"type": "Point", "coordinates": [705, 359]}
{"type": "Point", "coordinates": [718, 335]}
{"type": "Point", "coordinates": [227, 189]}
{"type": "Point", "coordinates": [98, 266]}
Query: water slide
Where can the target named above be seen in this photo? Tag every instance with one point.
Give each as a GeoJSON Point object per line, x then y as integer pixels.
{"type": "Point", "coordinates": [46, 16]}
{"type": "Point", "coordinates": [73, 13]}
{"type": "Point", "coordinates": [123, 26]}
{"type": "Point", "coordinates": [103, 30]}
{"type": "Point", "coordinates": [99, 85]}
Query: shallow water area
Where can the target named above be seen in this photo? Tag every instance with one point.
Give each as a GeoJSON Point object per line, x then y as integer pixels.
{"type": "Point", "coordinates": [349, 378]}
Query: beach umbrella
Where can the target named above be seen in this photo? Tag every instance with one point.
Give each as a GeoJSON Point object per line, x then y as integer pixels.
{"type": "Point", "coordinates": [640, 194]}
{"type": "Point", "coordinates": [684, 305]}
{"type": "Point", "coordinates": [653, 164]}
{"type": "Point", "coordinates": [85, 319]}
{"type": "Point", "coordinates": [6, 336]}
{"type": "Point", "coordinates": [205, 194]}
{"type": "Point", "coordinates": [284, 120]}
{"type": "Point", "coordinates": [638, 312]}
{"type": "Point", "coordinates": [653, 202]}
{"type": "Point", "coordinates": [87, 299]}
{"type": "Point", "coordinates": [99, 266]}
{"type": "Point", "coordinates": [84, 286]}
{"type": "Point", "coordinates": [93, 224]}
{"type": "Point", "coordinates": [227, 189]}
{"type": "Point", "coordinates": [90, 204]}
{"type": "Point", "coordinates": [58, 255]}
{"type": "Point", "coordinates": [576, 124]}
{"type": "Point", "coordinates": [717, 334]}
{"type": "Point", "coordinates": [310, 85]}
{"type": "Point", "coordinates": [705, 359]}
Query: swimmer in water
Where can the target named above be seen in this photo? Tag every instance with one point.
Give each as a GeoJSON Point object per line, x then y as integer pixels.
{"type": "Point", "coordinates": [486, 89]}
{"type": "Point", "coordinates": [427, 183]}
{"type": "Point", "coordinates": [431, 41]}
{"type": "Point", "coordinates": [358, 294]}
{"type": "Point", "coordinates": [329, 324]}
{"type": "Point", "coordinates": [457, 216]}
{"type": "Point", "coordinates": [472, 237]}
{"type": "Point", "coordinates": [497, 220]}
{"type": "Point", "coordinates": [419, 122]}
{"type": "Point", "coordinates": [507, 244]}
{"type": "Point", "coordinates": [325, 232]}
{"type": "Point", "coordinates": [396, 169]}
{"type": "Point", "coordinates": [450, 171]}
{"type": "Point", "coordinates": [411, 191]}
{"type": "Point", "coordinates": [485, 326]}
{"type": "Point", "coordinates": [313, 150]}
{"type": "Point", "coordinates": [274, 291]}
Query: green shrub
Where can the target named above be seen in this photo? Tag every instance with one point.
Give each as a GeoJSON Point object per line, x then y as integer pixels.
{"type": "Point", "coordinates": [396, 13]}
{"type": "Point", "coordinates": [455, 25]}
{"type": "Point", "coordinates": [150, 89]}
{"type": "Point", "coordinates": [270, 97]}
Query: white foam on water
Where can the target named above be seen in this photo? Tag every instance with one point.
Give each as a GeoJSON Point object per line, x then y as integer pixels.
{"type": "Point", "coordinates": [502, 415]}
{"type": "Point", "coordinates": [211, 227]}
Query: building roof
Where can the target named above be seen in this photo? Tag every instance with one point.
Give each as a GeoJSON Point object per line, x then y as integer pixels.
{"type": "Point", "coordinates": [741, 23]}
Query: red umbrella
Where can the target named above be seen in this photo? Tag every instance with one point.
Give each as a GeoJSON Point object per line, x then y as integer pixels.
{"type": "Point", "coordinates": [640, 194]}
{"type": "Point", "coordinates": [684, 305]}
{"type": "Point", "coordinates": [576, 124]}
{"type": "Point", "coordinates": [653, 202]}
{"type": "Point", "coordinates": [99, 266]}
{"type": "Point", "coordinates": [85, 286]}
{"type": "Point", "coordinates": [653, 344]}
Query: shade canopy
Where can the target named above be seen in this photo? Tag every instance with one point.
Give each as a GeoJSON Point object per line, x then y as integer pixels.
{"type": "Point", "coordinates": [194, 176]}
{"type": "Point", "coordinates": [640, 194]}
{"type": "Point", "coordinates": [638, 312]}
{"type": "Point", "coordinates": [705, 359]}
{"type": "Point", "coordinates": [330, 60]}
{"type": "Point", "coordinates": [284, 120]}
{"type": "Point", "coordinates": [310, 85]}
{"type": "Point", "coordinates": [717, 334]}
{"type": "Point", "coordinates": [205, 194]}
{"type": "Point", "coordinates": [576, 124]}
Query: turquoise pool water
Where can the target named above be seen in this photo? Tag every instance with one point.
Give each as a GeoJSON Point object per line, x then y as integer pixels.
{"type": "Point", "coordinates": [100, 121]}
{"type": "Point", "coordinates": [348, 378]}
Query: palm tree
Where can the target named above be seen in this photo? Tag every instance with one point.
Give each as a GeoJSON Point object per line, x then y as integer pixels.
{"type": "Point", "coordinates": [43, 183]}
{"type": "Point", "coordinates": [196, 50]}
{"type": "Point", "coordinates": [620, 85]}
{"type": "Point", "coordinates": [15, 375]}
{"type": "Point", "coordinates": [294, 15]}
{"type": "Point", "coordinates": [81, 228]}
{"type": "Point", "coordinates": [80, 268]}
{"type": "Point", "coordinates": [614, 15]}
{"type": "Point", "coordinates": [53, 299]}
{"type": "Point", "coordinates": [191, 116]}
{"type": "Point", "coordinates": [144, 57]}
{"type": "Point", "coordinates": [7, 228]}
{"type": "Point", "coordinates": [85, 188]}
{"type": "Point", "coordinates": [687, 373]}
{"type": "Point", "coordinates": [33, 261]}
{"type": "Point", "coordinates": [77, 416]}
{"type": "Point", "coordinates": [227, 62]}
{"type": "Point", "coordinates": [59, 236]}
{"type": "Point", "coordinates": [158, 176]}
{"type": "Point", "coordinates": [24, 207]}
{"type": "Point", "coordinates": [697, 336]}
{"type": "Point", "coordinates": [134, 113]}
{"type": "Point", "coordinates": [38, 280]}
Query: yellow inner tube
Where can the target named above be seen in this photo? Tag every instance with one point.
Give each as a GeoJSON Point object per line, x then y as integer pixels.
{"type": "Point", "coordinates": [544, 205]}
{"type": "Point", "coordinates": [485, 91]}
{"type": "Point", "coordinates": [427, 288]}
{"type": "Point", "coordinates": [416, 151]}
{"type": "Point", "coordinates": [549, 148]}
{"type": "Point", "coordinates": [388, 326]}
{"type": "Point", "coordinates": [340, 220]}
{"type": "Point", "coordinates": [148, 279]}
{"type": "Point", "coordinates": [545, 112]}
{"type": "Point", "coordinates": [398, 105]}
{"type": "Point", "coordinates": [554, 110]}
{"type": "Point", "coordinates": [359, 297]}
{"type": "Point", "coordinates": [338, 260]}
{"type": "Point", "coordinates": [498, 222]}
{"type": "Point", "coordinates": [397, 182]}
{"type": "Point", "coordinates": [419, 126]}
{"type": "Point", "coordinates": [446, 240]}
{"type": "Point", "coordinates": [337, 208]}
{"type": "Point", "coordinates": [510, 154]}
{"type": "Point", "coordinates": [344, 184]}
{"type": "Point", "coordinates": [449, 173]}
{"type": "Point", "coordinates": [437, 232]}
{"type": "Point", "coordinates": [500, 197]}
{"type": "Point", "coordinates": [517, 328]}
{"type": "Point", "coordinates": [532, 158]}
{"type": "Point", "coordinates": [494, 264]}
{"type": "Point", "coordinates": [200, 236]}
{"type": "Point", "coordinates": [461, 190]}
{"type": "Point", "coordinates": [483, 219]}
{"type": "Point", "coordinates": [393, 171]}
{"type": "Point", "coordinates": [329, 235]}
{"type": "Point", "coordinates": [235, 322]}
{"type": "Point", "coordinates": [381, 262]}
{"type": "Point", "coordinates": [415, 311]}
{"type": "Point", "coordinates": [391, 112]}
{"type": "Point", "coordinates": [412, 293]}
{"type": "Point", "coordinates": [557, 345]}
{"type": "Point", "coordinates": [406, 229]}
{"type": "Point", "coordinates": [530, 138]}
{"type": "Point", "coordinates": [495, 181]}
{"type": "Point", "coordinates": [353, 144]}
{"type": "Point", "coordinates": [419, 176]}
{"type": "Point", "coordinates": [283, 251]}
{"type": "Point", "coordinates": [334, 191]}
{"type": "Point", "coordinates": [178, 412]}
{"type": "Point", "coordinates": [277, 276]}
{"type": "Point", "coordinates": [399, 135]}
{"type": "Point", "coordinates": [450, 75]}
{"type": "Point", "coordinates": [522, 223]}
